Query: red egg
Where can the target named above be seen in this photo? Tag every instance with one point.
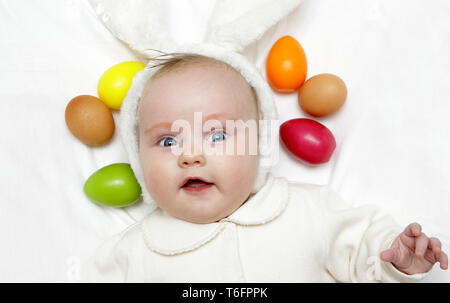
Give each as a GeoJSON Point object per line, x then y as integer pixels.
{"type": "Point", "coordinates": [308, 140]}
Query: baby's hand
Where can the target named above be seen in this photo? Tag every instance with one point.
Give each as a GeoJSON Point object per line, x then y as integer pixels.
{"type": "Point", "coordinates": [413, 252]}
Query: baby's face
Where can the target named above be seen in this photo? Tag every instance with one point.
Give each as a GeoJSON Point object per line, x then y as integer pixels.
{"type": "Point", "coordinates": [216, 93]}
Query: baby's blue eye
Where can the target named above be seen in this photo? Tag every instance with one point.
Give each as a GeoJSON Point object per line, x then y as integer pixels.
{"type": "Point", "coordinates": [218, 136]}
{"type": "Point", "coordinates": [167, 141]}
{"type": "Point", "coordinates": [215, 137]}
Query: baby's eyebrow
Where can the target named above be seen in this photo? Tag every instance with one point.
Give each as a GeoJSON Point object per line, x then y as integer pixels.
{"type": "Point", "coordinates": [168, 125]}
{"type": "Point", "coordinates": [161, 125]}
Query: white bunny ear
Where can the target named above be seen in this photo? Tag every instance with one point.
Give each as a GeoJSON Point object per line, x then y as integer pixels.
{"type": "Point", "coordinates": [236, 23]}
{"type": "Point", "coordinates": [142, 24]}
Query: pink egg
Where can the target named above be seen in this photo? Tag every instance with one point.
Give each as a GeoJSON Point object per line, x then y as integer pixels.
{"type": "Point", "coordinates": [308, 140]}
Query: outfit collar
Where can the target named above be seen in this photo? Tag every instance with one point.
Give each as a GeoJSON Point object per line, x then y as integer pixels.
{"type": "Point", "coordinates": [168, 235]}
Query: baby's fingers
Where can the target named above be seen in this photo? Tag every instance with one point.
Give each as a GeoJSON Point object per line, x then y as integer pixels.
{"type": "Point", "coordinates": [413, 230]}
{"type": "Point", "coordinates": [388, 255]}
{"type": "Point", "coordinates": [443, 260]}
{"type": "Point", "coordinates": [409, 234]}
{"type": "Point", "coordinates": [435, 245]}
{"type": "Point", "coordinates": [421, 245]}
{"type": "Point", "coordinates": [410, 242]}
{"type": "Point", "coordinates": [391, 255]}
{"type": "Point", "coordinates": [439, 255]}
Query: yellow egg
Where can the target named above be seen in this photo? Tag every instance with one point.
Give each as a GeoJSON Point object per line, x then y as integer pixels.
{"type": "Point", "coordinates": [116, 81]}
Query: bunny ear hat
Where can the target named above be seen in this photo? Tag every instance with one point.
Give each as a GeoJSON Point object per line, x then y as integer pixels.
{"type": "Point", "coordinates": [234, 24]}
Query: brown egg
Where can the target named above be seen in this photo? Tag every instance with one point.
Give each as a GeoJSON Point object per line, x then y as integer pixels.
{"type": "Point", "coordinates": [322, 95]}
{"type": "Point", "coordinates": [90, 120]}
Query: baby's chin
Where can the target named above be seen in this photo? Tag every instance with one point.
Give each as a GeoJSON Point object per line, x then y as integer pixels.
{"type": "Point", "coordinates": [200, 220]}
{"type": "Point", "coordinates": [199, 217]}
{"type": "Point", "coordinates": [204, 215]}
{"type": "Point", "coordinates": [205, 211]}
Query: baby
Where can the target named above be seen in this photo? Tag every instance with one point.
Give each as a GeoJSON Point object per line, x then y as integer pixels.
{"type": "Point", "coordinates": [210, 226]}
{"type": "Point", "coordinates": [216, 92]}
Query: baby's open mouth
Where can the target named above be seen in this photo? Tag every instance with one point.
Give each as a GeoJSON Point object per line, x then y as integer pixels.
{"type": "Point", "coordinates": [196, 184]}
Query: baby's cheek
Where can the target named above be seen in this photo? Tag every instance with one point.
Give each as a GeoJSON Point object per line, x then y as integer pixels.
{"type": "Point", "coordinates": [154, 171]}
{"type": "Point", "coordinates": [145, 163]}
{"type": "Point", "coordinates": [242, 170]}
{"type": "Point", "coordinates": [251, 166]}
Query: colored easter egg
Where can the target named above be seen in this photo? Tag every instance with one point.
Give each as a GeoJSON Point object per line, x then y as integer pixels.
{"type": "Point", "coordinates": [113, 185]}
{"type": "Point", "coordinates": [90, 120]}
{"type": "Point", "coordinates": [322, 95]}
{"type": "Point", "coordinates": [286, 65]}
{"type": "Point", "coordinates": [308, 140]}
{"type": "Point", "coordinates": [116, 81]}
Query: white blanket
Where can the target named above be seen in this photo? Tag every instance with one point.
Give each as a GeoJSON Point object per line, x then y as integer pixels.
{"type": "Point", "coordinates": [393, 146]}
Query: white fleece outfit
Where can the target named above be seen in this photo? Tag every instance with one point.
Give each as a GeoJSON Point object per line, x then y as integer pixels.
{"type": "Point", "coordinates": [287, 232]}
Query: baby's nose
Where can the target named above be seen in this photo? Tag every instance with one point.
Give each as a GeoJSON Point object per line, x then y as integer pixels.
{"type": "Point", "coordinates": [186, 160]}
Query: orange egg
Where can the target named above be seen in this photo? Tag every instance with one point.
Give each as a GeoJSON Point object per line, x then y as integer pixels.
{"type": "Point", "coordinates": [286, 65]}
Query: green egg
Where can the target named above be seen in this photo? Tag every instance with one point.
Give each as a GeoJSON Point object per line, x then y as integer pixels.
{"type": "Point", "coordinates": [113, 185]}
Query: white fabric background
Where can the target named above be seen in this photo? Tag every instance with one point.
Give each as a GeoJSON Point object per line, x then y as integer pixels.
{"type": "Point", "coordinates": [393, 146]}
